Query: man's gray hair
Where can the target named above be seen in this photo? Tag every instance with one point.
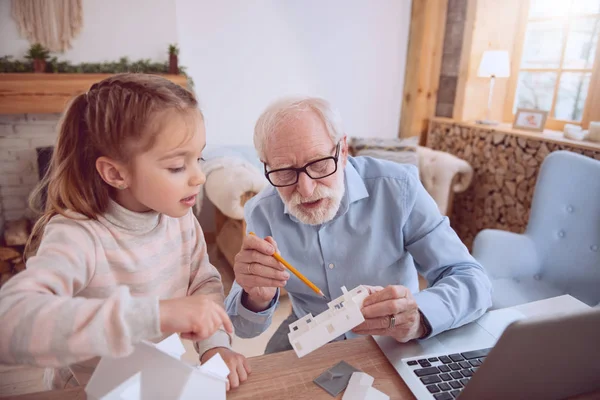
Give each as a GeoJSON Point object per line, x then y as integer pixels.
{"type": "Point", "coordinates": [282, 109]}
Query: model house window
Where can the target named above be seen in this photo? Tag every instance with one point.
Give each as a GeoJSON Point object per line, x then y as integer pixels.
{"type": "Point", "coordinates": [558, 67]}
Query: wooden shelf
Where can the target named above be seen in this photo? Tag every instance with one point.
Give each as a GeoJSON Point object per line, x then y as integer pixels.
{"type": "Point", "coordinates": [547, 135]}
{"type": "Point", "coordinates": [48, 93]}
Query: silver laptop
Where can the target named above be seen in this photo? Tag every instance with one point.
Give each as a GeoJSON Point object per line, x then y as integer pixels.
{"type": "Point", "coordinates": [504, 356]}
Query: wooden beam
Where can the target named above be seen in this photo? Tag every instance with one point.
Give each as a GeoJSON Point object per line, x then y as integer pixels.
{"type": "Point", "coordinates": [465, 58]}
{"type": "Point", "coordinates": [49, 93]}
{"type": "Point", "coordinates": [424, 58]}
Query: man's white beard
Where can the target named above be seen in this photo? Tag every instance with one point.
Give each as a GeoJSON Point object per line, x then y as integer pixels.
{"type": "Point", "coordinates": [332, 198]}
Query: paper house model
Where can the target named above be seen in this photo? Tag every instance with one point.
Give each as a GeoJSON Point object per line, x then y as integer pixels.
{"type": "Point", "coordinates": [155, 371]}
{"type": "Point", "coordinates": [309, 333]}
{"type": "Point", "coordinates": [361, 387]}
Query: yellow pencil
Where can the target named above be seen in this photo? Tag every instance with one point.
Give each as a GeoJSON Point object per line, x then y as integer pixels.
{"type": "Point", "coordinates": [298, 274]}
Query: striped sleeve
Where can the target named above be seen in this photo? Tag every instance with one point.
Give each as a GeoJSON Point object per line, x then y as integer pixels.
{"type": "Point", "coordinates": [43, 323]}
{"type": "Point", "coordinates": [205, 280]}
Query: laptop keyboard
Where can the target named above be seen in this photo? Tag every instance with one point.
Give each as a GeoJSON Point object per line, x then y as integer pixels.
{"type": "Point", "coordinates": [446, 376]}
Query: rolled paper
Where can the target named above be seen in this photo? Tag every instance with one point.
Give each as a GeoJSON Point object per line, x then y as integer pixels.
{"type": "Point", "coordinates": [571, 128]}
{"type": "Point", "coordinates": [575, 134]}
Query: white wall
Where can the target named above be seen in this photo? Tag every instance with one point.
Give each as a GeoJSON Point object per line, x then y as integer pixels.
{"type": "Point", "coordinates": [242, 55]}
{"type": "Point", "coordinates": [111, 29]}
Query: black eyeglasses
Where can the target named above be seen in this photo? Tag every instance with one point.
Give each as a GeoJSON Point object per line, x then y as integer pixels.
{"type": "Point", "coordinates": [317, 169]}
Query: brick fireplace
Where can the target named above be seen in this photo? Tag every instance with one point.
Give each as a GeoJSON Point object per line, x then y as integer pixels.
{"type": "Point", "coordinates": [20, 136]}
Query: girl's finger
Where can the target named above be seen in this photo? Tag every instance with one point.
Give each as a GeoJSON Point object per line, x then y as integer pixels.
{"type": "Point", "coordinates": [187, 336]}
{"type": "Point", "coordinates": [241, 371]}
{"type": "Point", "coordinates": [224, 320]}
{"type": "Point", "coordinates": [247, 365]}
{"type": "Point", "coordinates": [233, 378]}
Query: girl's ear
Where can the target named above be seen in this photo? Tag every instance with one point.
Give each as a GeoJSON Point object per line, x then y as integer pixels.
{"type": "Point", "coordinates": [112, 172]}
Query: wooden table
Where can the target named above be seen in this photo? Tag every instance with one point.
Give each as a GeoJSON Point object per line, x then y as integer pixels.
{"type": "Point", "coordinates": [285, 376]}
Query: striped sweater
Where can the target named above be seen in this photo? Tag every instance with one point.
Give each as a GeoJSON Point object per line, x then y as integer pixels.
{"type": "Point", "coordinates": [93, 288]}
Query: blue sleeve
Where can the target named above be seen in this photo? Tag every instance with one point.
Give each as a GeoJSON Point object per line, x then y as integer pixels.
{"type": "Point", "coordinates": [247, 323]}
{"type": "Point", "coordinates": [459, 289]}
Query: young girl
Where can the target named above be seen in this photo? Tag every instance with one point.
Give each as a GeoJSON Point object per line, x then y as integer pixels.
{"type": "Point", "coordinates": [118, 257]}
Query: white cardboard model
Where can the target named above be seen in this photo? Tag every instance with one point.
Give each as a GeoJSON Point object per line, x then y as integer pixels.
{"type": "Point", "coordinates": [309, 333]}
{"type": "Point", "coordinates": [155, 371]}
{"type": "Point", "coordinates": [361, 387]}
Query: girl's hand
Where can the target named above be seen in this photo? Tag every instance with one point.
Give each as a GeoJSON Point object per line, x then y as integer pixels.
{"type": "Point", "coordinates": [194, 317]}
{"type": "Point", "coordinates": [237, 364]}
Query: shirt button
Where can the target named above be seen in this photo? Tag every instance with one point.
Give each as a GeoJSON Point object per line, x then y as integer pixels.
{"type": "Point", "coordinates": [594, 247]}
{"type": "Point", "coordinates": [561, 234]}
{"type": "Point", "coordinates": [537, 277]}
{"type": "Point", "coordinates": [331, 266]}
{"type": "Point", "coordinates": [570, 209]}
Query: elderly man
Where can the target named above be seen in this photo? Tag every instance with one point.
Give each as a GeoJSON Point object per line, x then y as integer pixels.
{"type": "Point", "coordinates": [345, 221]}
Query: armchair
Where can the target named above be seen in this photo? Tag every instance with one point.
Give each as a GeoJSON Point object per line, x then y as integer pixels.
{"type": "Point", "coordinates": [559, 253]}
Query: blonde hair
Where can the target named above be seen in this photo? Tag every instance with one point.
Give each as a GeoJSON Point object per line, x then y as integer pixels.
{"type": "Point", "coordinates": [280, 110]}
{"type": "Point", "coordinates": [112, 119]}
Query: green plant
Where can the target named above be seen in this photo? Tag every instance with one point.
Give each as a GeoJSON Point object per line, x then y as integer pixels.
{"type": "Point", "coordinates": [9, 65]}
{"type": "Point", "coordinates": [173, 50]}
{"type": "Point", "coordinates": [37, 52]}
{"type": "Point", "coordinates": [190, 81]}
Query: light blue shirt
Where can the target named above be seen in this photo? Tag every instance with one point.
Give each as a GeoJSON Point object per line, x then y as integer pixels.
{"type": "Point", "coordinates": [387, 229]}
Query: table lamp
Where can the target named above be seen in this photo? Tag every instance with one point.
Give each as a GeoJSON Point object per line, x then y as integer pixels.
{"type": "Point", "coordinates": [494, 64]}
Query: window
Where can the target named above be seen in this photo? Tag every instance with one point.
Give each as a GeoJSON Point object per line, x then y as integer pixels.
{"type": "Point", "coordinates": [557, 67]}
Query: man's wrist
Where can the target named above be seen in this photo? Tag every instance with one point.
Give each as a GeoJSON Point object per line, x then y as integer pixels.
{"type": "Point", "coordinates": [424, 326]}
{"type": "Point", "coordinates": [254, 305]}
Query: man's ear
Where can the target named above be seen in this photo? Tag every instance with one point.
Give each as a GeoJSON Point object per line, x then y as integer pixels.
{"type": "Point", "coordinates": [113, 172]}
{"type": "Point", "coordinates": [344, 151]}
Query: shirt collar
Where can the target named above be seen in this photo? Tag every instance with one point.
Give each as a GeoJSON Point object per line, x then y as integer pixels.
{"type": "Point", "coordinates": [355, 188]}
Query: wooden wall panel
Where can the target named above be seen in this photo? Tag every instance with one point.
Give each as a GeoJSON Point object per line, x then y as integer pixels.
{"type": "Point", "coordinates": [423, 66]}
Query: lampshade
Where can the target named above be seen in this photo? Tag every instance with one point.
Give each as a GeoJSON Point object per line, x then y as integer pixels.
{"type": "Point", "coordinates": [494, 63]}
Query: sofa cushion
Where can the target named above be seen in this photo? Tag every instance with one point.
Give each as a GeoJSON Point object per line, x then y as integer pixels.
{"type": "Point", "coordinates": [402, 151]}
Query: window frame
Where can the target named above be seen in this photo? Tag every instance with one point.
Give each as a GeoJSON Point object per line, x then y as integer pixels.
{"type": "Point", "coordinates": [591, 110]}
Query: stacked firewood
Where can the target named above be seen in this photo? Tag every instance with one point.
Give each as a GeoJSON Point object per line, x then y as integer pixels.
{"type": "Point", "coordinates": [506, 167]}
{"type": "Point", "coordinates": [11, 253]}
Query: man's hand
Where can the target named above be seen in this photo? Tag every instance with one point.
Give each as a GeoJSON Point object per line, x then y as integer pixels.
{"type": "Point", "coordinates": [237, 364]}
{"type": "Point", "coordinates": [195, 317]}
{"type": "Point", "coordinates": [379, 307]}
{"type": "Point", "coordinates": [258, 273]}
